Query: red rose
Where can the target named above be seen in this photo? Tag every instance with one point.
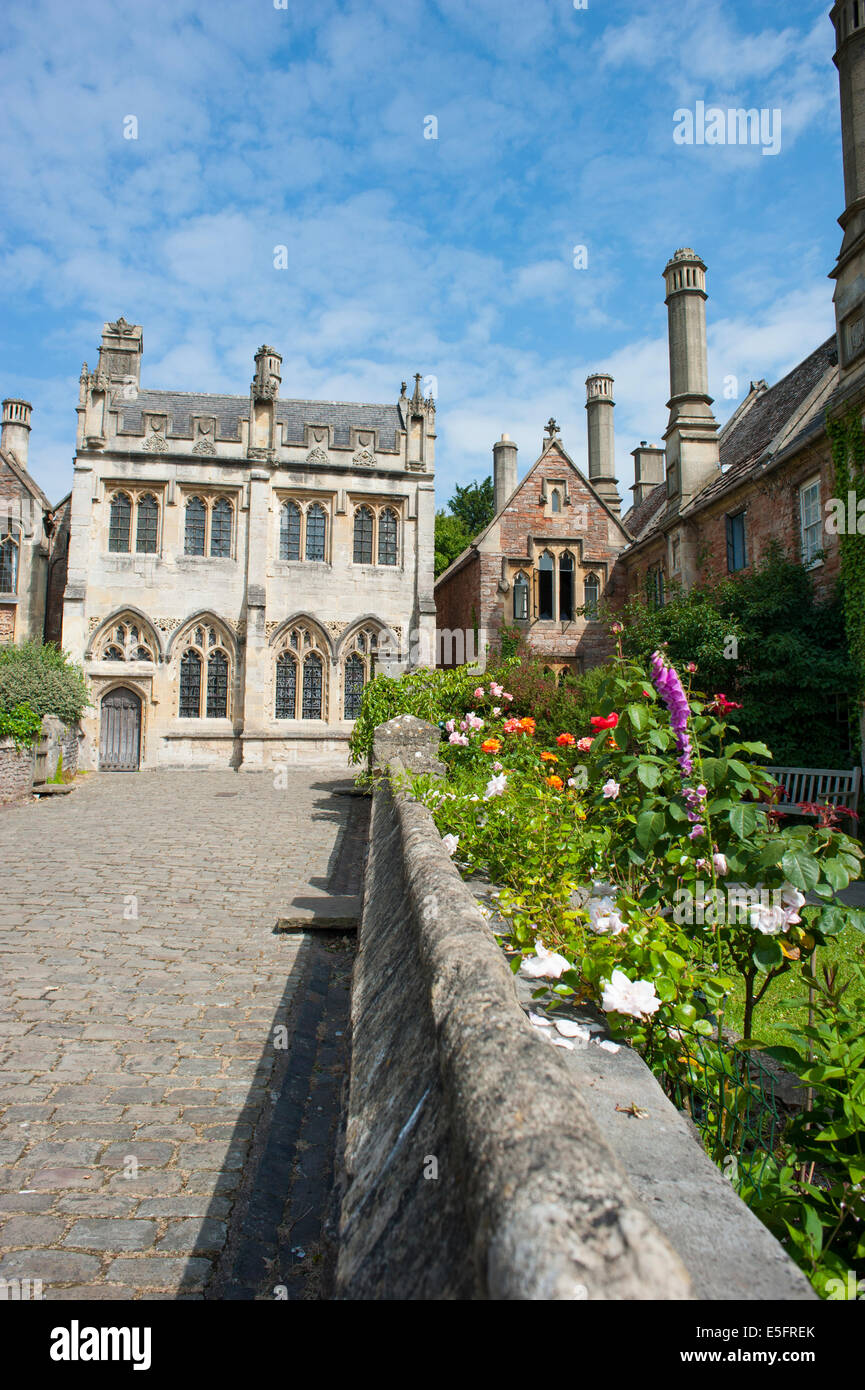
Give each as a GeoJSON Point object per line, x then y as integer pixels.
{"type": "Point", "coordinates": [598, 722]}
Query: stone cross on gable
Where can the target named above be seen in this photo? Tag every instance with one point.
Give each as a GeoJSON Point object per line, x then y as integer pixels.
{"type": "Point", "coordinates": [552, 428]}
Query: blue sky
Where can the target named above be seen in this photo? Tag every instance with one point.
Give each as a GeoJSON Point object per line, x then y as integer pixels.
{"type": "Point", "coordinates": [304, 127]}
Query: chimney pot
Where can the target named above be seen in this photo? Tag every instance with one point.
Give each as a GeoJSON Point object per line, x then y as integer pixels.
{"type": "Point", "coordinates": [15, 429]}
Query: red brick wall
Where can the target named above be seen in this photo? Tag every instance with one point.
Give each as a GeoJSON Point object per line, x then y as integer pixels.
{"type": "Point", "coordinates": [458, 598]}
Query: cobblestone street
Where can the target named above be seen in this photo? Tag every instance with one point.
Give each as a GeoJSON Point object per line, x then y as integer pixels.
{"type": "Point", "coordinates": [170, 1064]}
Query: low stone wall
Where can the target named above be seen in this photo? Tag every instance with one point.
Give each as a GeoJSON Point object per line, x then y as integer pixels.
{"type": "Point", "coordinates": [16, 772]}
{"type": "Point", "coordinates": [473, 1165]}
{"type": "Point", "coordinates": [58, 739]}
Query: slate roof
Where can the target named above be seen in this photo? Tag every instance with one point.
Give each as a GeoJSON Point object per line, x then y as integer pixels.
{"type": "Point", "coordinates": [768, 418]}
{"type": "Point", "coordinates": [180, 406]}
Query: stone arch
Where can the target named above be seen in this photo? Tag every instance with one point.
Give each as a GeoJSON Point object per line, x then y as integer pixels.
{"type": "Point", "coordinates": [125, 615]}
{"type": "Point", "coordinates": [322, 636]}
{"type": "Point", "coordinates": [368, 620]}
{"type": "Point", "coordinates": [205, 618]}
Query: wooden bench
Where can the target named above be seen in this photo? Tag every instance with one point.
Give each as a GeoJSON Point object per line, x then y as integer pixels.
{"type": "Point", "coordinates": [837, 786]}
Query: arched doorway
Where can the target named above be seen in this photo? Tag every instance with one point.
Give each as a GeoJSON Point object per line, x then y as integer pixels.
{"type": "Point", "coordinates": [120, 731]}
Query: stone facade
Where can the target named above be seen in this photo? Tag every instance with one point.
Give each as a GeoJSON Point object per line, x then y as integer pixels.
{"type": "Point", "coordinates": [26, 531]}
{"type": "Point", "coordinates": [239, 566]}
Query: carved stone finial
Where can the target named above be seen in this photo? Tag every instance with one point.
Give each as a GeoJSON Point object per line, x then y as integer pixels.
{"type": "Point", "coordinates": [552, 428]}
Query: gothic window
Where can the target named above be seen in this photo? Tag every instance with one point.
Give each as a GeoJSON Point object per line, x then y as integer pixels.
{"type": "Point", "coordinates": [289, 532]}
{"type": "Point", "coordinates": [9, 564]}
{"type": "Point", "coordinates": [555, 501]}
{"type": "Point", "coordinates": [286, 686]}
{"type": "Point", "coordinates": [119, 523]}
{"type": "Point", "coordinates": [312, 686]}
{"type": "Point", "coordinates": [113, 653]}
{"type": "Point", "coordinates": [355, 679]}
{"type": "Point", "coordinates": [566, 587]}
{"type": "Point", "coordinates": [196, 526]}
{"type": "Point", "coordinates": [217, 685]}
{"type": "Point", "coordinates": [546, 595]}
{"type": "Point", "coordinates": [363, 522]}
{"type": "Point", "coordinates": [126, 642]}
{"type": "Point", "coordinates": [142, 654]}
{"type": "Point", "coordinates": [147, 529]}
{"type": "Point", "coordinates": [190, 685]}
{"type": "Point", "coordinates": [220, 528]}
{"type": "Point", "coordinates": [521, 598]}
{"type": "Point", "coordinates": [316, 525]}
{"type": "Point", "coordinates": [591, 592]}
{"type": "Point", "coordinates": [387, 537]}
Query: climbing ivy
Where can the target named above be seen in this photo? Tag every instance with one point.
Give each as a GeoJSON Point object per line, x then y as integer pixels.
{"type": "Point", "coordinates": [848, 456]}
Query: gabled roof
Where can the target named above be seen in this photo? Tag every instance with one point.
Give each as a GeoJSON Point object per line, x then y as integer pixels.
{"type": "Point", "coordinates": [479, 539]}
{"type": "Point", "coordinates": [771, 423]}
{"type": "Point", "coordinates": [24, 478]}
{"type": "Point", "coordinates": [230, 410]}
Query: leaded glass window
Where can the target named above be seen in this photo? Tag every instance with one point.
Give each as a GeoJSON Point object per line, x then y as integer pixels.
{"type": "Point", "coordinates": [190, 685]}
{"type": "Point", "coordinates": [354, 683]}
{"type": "Point", "coordinates": [289, 532]}
{"type": "Point", "coordinates": [196, 526]}
{"type": "Point", "coordinates": [546, 595]}
{"type": "Point", "coordinates": [566, 587]}
{"type": "Point", "coordinates": [220, 529]}
{"type": "Point", "coordinates": [217, 685]}
{"type": "Point", "coordinates": [147, 529]}
{"type": "Point", "coordinates": [316, 526]}
{"type": "Point", "coordinates": [113, 653]}
{"type": "Point", "coordinates": [521, 598]}
{"type": "Point", "coordinates": [312, 686]}
{"type": "Point", "coordinates": [286, 687]}
{"type": "Point", "coordinates": [387, 537]}
{"type": "Point", "coordinates": [592, 593]}
{"type": "Point", "coordinates": [119, 523]}
{"type": "Point", "coordinates": [363, 520]}
{"type": "Point", "coordinates": [9, 566]}
{"type": "Point", "coordinates": [142, 654]}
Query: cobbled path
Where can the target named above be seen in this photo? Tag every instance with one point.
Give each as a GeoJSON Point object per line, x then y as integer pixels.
{"type": "Point", "coordinates": [170, 1067]}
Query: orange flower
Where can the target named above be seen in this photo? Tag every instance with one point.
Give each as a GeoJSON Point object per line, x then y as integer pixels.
{"type": "Point", "coordinates": [490, 745]}
{"type": "Point", "coordinates": [549, 758]}
{"type": "Point", "coordinates": [555, 782]}
{"type": "Point", "coordinates": [565, 740]}
{"type": "Point", "coordinates": [528, 724]}
{"type": "Point", "coordinates": [611, 743]}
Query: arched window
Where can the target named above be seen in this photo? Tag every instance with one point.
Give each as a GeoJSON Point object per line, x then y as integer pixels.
{"type": "Point", "coordinates": [592, 590]}
{"type": "Point", "coordinates": [363, 520]}
{"type": "Point", "coordinates": [147, 529]}
{"type": "Point", "coordinates": [196, 526]}
{"type": "Point", "coordinates": [119, 523]}
{"type": "Point", "coordinates": [286, 686]}
{"type": "Point", "coordinates": [355, 679]}
{"type": "Point", "coordinates": [190, 685]}
{"type": "Point", "coordinates": [220, 529]}
{"type": "Point", "coordinates": [289, 532]}
{"type": "Point", "coordinates": [312, 686]}
{"type": "Point", "coordinates": [556, 501]}
{"type": "Point", "coordinates": [217, 685]}
{"type": "Point", "coordinates": [9, 564]}
{"type": "Point", "coordinates": [316, 527]}
{"type": "Point", "coordinates": [128, 641]}
{"type": "Point", "coordinates": [566, 586]}
{"type": "Point", "coordinates": [387, 537]}
{"type": "Point", "coordinates": [546, 595]}
{"type": "Point", "coordinates": [113, 653]}
{"type": "Point", "coordinates": [521, 598]}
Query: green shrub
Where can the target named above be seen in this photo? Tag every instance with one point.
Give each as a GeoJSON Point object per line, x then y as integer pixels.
{"type": "Point", "coordinates": [42, 676]}
{"type": "Point", "coordinates": [21, 724]}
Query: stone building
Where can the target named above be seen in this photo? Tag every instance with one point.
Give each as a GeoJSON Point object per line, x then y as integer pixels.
{"type": "Point", "coordinates": [548, 557]}
{"type": "Point", "coordinates": [239, 566]}
{"type": "Point", "coordinates": [26, 530]}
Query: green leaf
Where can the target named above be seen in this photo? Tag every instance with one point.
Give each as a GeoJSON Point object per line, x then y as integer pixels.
{"type": "Point", "coordinates": [650, 825]}
{"type": "Point", "coordinates": [767, 954]}
{"type": "Point", "coordinates": [743, 821]}
{"type": "Point", "coordinates": [639, 717]}
{"type": "Point", "coordinates": [801, 868]}
{"type": "Point", "coordinates": [649, 774]}
{"type": "Point", "coordinates": [836, 874]}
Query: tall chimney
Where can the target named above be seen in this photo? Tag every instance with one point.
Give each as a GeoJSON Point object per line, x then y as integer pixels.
{"type": "Point", "coordinates": [692, 434]}
{"type": "Point", "coordinates": [648, 470]}
{"type": "Point", "coordinates": [15, 435]}
{"type": "Point", "coordinates": [848, 18]}
{"type": "Point", "coordinates": [600, 412]}
{"type": "Point", "coordinates": [504, 470]}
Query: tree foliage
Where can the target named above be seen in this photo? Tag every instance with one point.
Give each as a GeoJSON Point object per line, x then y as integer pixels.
{"type": "Point", "coordinates": [472, 508]}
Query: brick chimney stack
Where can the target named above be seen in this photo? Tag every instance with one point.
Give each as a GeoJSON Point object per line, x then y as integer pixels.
{"type": "Point", "coordinates": [692, 434]}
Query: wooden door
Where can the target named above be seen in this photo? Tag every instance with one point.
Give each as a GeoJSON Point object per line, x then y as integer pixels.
{"type": "Point", "coordinates": [120, 732]}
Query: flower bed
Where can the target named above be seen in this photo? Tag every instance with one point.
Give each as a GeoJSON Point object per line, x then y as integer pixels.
{"type": "Point", "coordinates": [643, 869]}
